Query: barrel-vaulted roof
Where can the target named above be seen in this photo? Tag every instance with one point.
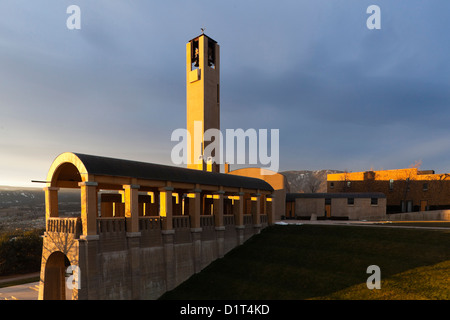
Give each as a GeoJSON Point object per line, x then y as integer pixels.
{"type": "Point", "coordinates": [104, 166]}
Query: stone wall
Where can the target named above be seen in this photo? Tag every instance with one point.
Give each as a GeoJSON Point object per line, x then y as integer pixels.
{"type": "Point", "coordinates": [439, 215]}
{"type": "Point", "coordinates": [120, 265]}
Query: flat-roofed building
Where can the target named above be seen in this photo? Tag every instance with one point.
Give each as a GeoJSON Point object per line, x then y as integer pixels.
{"type": "Point", "coordinates": [406, 190]}
{"type": "Point", "coordinates": [345, 206]}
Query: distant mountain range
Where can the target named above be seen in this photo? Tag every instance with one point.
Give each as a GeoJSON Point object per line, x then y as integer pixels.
{"type": "Point", "coordinates": [31, 197]}
{"type": "Point", "coordinates": [24, 208]}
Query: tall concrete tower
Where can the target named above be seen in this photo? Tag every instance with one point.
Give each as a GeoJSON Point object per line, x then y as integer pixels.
{"type": "Point", "coordinates": [203, 100]}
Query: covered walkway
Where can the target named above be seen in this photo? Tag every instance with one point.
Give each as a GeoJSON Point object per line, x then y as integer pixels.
{"type": "Point", "coordinates": [129, 205]}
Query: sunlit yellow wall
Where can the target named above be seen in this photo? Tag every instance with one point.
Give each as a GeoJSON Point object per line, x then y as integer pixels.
{"type": "Point", "coordinates": [276, 180]}
{"type": "Point", "coordinates": [386, 175]}
{"type": "Point", "coordinates": [424, 189]}
{"type": "Point", "coordinates": [202, 98]}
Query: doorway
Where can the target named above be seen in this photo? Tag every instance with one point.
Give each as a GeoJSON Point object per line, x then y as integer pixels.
{"type": "Point", "coordinates": [423, 205]}
{"type": "Point", "coordinates": [55, 280]}
{"type": "Point", "coordinates": [328, 210]}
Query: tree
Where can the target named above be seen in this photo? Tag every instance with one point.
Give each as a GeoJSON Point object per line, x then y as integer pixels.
{"type": "Point", "coordinates": [313, 184]}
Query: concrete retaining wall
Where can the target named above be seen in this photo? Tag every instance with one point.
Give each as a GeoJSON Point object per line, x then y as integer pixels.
{"type": "Point", "coordinates": [142, 265]}
{"type": "Point", "coordinates": [438, 215]}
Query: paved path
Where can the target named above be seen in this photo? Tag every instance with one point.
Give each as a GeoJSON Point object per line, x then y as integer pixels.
{"type": "Point", "coordinates": [27, 291]}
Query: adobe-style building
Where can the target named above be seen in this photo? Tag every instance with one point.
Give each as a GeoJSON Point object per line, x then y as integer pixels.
{"type": "Point", "coordinates": [338, 206]}
{"type": "Point", "coordinates": [406, 190]}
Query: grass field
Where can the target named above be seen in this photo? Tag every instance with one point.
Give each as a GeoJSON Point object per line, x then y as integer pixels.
{"type": "Point", "coordinates": [327, 262]}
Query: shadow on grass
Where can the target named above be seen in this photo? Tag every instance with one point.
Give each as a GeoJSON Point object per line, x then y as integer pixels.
{"type": "Point", "coordinates": [309, 261]}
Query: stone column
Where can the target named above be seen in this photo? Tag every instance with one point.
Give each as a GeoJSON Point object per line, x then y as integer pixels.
{"type": "Point", "coordinates": [131, 197]}
{"type": "Point", "coordinates": [133, 241]}
{"type": "Point", "coordinates": [257, 212]}
{"type": "Point", "coordinates": [89, 208]}
{"type": "Point", "coordinates": [166, 208]}
{"type": "Point", "coordinates": [263, 204]}
{"type": "Point", "coordinates": [51, 202]}
{"type": "Point", "coordinates": [238, 210]}
{"type": "Point", "coordinates": [90, 270]}
{"type": "Point", "coordinates": [169, 258]}
{"type": "Point", "coordinates": [195, 208]}
{"type": "Point", "coordinates": [271, 211]}
{"type": "Point", "coordinates": [132, 207]}
{"type": "Point", "coordinates": [218, 208]}
{"type": "Point", "coordinates": [218, 222]}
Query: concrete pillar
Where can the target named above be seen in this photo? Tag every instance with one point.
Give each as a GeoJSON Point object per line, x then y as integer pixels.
{"type": "Point", "coordinates": [166, 208]}
{"type": "Point", "coordinates": [271, 211]}
{"type": "Point", "coordinates": [89, 208]}
{"type": "Point", "coordinates": [238, 211]}
{"type": "Point", "coordinates": [131, 197]}
{"type": "Point", "coordinates": [90, 269]}
{"type": "Point", "coordinates": [218, 222]}
{"type": "Point", "coordinates": [263, 204]}
{"type": "Point", "coordinates": [51, 202]}
{"type": "Point", "coordinates": [132, 207]}
{"type": "Point", "coordinates": [195, 208]}
{"type": "Point", "coordinates": [218, 208]}
{"type": "Point", "coordinates": [257, 212]}
{"type": "Point", "coordinates": [169, 258]}
{"type": "Point", "coordinates": [133, 240]}
{"type": "Point", "coordinates": [88, 244]}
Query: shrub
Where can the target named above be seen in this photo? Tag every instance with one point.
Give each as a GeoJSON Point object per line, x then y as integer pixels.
{"type": "Point", "coordinates": [20, 252]}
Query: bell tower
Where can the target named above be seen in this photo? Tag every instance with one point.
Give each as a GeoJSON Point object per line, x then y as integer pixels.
{"type": "Point", "coordinates": [203, 100]}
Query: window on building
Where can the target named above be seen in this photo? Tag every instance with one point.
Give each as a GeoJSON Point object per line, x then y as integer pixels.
{"type": "Point", "coordinates": [391, 184]}
{"type": "Point", "coordinates": [374, 201]}
{"type": "Point", "coordinates": [349, 184]}
{"type": "Point", "coordinates": [327, 200]}
{"type": "Point", "coordinates": [331, 185]}
{"type": "Point", "coordinates": [425, 186]}
{"type": "Point", "coordinates": [350, 201]}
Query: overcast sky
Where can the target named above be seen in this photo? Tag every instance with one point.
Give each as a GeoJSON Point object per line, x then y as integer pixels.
{"type": "Point", "coordinates": [343, 96]}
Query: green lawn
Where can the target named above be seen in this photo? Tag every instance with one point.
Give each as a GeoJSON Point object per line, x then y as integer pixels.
{"type": "Point", "coordinates": [327, 262]}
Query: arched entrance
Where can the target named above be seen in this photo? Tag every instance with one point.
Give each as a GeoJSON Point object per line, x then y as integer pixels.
{"type": "Point", "coordinates": [55, 281]}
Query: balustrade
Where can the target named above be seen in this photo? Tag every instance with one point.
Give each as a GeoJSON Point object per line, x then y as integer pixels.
{"type": "Point", "coordinates": [181, 222]}
{"type": "Point", "coordinates": [108, 225]}
{"type": "Point", "coordinates": [64, 225]}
